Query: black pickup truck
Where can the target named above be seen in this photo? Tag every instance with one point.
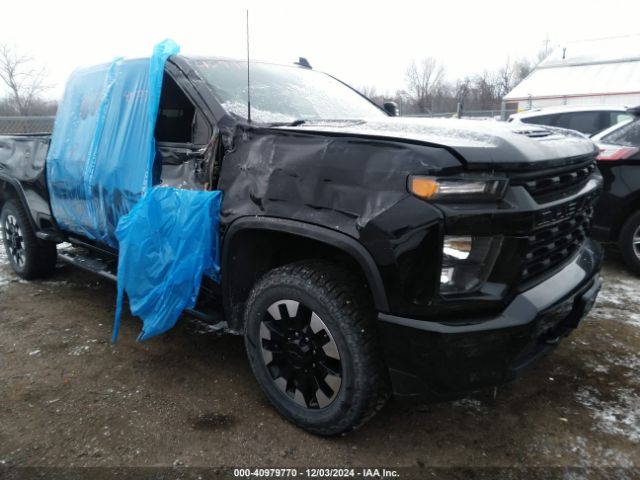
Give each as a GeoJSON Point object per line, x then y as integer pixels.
{"type": "Point", "coordinates": [361, 254]}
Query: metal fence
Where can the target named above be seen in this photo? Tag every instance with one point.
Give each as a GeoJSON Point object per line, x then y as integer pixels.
{"type": "Point", "coordinates": [477, 114]}
{"type": "Point", "coordinates": [10, 125]}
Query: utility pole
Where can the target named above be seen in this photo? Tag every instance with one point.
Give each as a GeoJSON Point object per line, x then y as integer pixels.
{"type": "Point", "coordinates": [546, 43]}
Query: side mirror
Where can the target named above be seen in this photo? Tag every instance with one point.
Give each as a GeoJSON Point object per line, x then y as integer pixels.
{"type": "Point", "coordinates": [391, 108]}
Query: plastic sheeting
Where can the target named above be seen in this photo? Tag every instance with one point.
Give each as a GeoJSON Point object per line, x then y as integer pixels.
{"type": "Point", "coordinates": [100, 176]}
{"type": "Point", "coordinates": [102, 150]}
{"type": "Point", "coordinates": [167, 243]}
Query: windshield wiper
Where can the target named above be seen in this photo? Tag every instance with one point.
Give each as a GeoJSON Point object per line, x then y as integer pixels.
{"type": "Point", "coordinates": [294, 123]}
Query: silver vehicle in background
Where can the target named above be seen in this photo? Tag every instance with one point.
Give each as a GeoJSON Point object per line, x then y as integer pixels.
{"type": "Point", "coordinates": [589, 119]}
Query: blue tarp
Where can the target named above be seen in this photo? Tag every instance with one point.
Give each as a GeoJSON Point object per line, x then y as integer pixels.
{"type": "Point", "coordinates": [167, 242]}
{"type": "Point", "coordinates": [101, 155]}
{"type": "Point", "coordinates": [100, 174]}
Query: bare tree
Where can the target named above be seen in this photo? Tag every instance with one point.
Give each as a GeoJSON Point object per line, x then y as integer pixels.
{"type": "Point", "coordinates": [24, 79]}
{"type": "Point", "coordinates": [485, 88]}
{"type": "Point", "coordinates": [423, 80]}
{"type": "Point", "coordinates": [369, 91]}
{"type": "Point", "coordinates": [521, 69]}
{"type": "Point", "coordinates": [459, 93]}
{"type": "Point", "coordinates": [462, 88]}
{"type": "Point", "coordinates": [511, 74]}
{"type": "Point", "coordinates": [505, 78]}
{"type": "Point", "coordinates": [429, 92]}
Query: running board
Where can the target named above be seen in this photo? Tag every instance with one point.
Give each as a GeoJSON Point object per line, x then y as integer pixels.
{"type": "Point", "coordinates": [50, 236]}
{"type": "Point", "coordinates": [108, 270]}
{"type": "Point", "coordinates": [88, 263]}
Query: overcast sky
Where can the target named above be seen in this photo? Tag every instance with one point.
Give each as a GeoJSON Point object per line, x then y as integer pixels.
{"type": "Point", "coordinates": [362, 43]}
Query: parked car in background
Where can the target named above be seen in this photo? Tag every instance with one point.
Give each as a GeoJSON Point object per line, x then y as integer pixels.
{"type": "Point", "coordinates": [589, 120]}
{"type": "Point", "coordinates": [617, 213]}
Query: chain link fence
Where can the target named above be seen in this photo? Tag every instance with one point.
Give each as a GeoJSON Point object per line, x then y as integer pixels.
{"type": "Point", "coordinates": [12, 125]}
{"type": "Point", "coordinates": [475, 114]}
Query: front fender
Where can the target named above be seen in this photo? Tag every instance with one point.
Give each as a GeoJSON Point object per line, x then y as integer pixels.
{"type": "Point", "coordinates": [341, 241]}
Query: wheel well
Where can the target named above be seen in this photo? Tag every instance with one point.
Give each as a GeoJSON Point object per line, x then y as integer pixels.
{"type": "Point", "coordinates": [254, 252]}
{"type": "Point", "coordinates": [7, 192]}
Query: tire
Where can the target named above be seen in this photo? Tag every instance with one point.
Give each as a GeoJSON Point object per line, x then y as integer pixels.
{"type": "Point", "coordinates": [629, 234]}
{"type": "Point", "coordinates": [332, 312]}
{"type": "Point", "coordinates": [28, 256]}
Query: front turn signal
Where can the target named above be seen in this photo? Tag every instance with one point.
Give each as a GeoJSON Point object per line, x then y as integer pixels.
{"type": "Point", "coordinates": [457, 189]}
{"type": "Point", "coordinates": [423, 187]}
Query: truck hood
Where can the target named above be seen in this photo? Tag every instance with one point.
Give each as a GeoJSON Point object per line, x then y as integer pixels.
{"type": "Point", "coordinates": [478, 142]}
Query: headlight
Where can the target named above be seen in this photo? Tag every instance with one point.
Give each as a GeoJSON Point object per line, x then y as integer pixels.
{"type": "Point", "coordinates": [457, 189]}
{"type": "Point", "coordinates": [467, 262]}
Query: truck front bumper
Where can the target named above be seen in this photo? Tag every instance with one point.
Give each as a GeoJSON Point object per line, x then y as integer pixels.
{"type": "Point", "coordinates": [441, 359]}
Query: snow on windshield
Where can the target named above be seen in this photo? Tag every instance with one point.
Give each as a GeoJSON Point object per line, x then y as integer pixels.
{"type": "Point", "coordinates": [264, 116]}
{"type": "Point", "coordinates": [281, 93]}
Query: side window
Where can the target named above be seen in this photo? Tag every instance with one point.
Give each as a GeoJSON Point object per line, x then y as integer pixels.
{"type": "Point", "coordinates": [617, 117]}
{"type": "Point", "coordinates": [585, 122]}
{"type": "Point", "coordinates": [175, 115]}
{"type": "Point", "coordinates": [541, 120]}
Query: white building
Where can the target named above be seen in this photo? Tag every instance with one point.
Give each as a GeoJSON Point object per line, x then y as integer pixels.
{"type": "Point", "coordinates": [603, 72]}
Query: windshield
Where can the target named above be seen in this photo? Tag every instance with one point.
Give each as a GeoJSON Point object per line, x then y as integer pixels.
{"type": "Point", "coordinates": [627, 135]}
{"type": "Point", "coordinates": [282, 93]}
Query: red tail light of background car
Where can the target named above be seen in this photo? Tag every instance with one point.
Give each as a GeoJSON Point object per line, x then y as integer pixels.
{"type": "Point", "coordinates": [610, 153]}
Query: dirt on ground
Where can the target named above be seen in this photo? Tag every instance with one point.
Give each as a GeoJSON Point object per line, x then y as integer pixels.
{"type": "Point", "coordinates": [69, 397]}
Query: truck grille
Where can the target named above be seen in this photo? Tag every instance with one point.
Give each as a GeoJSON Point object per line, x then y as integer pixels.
{"type": "Point", "coordinates": [555, 183]}
{"type": "Point", "coordinates": [552, 245]}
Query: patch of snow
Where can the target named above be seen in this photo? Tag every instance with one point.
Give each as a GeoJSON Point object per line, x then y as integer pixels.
{"type": "Point", "coordinates": [593, 455]}
{"type": "Point", "coordinates": [202, 328]}
{"type": "Point", "coordinates": [619, 300]}
{"type": "Point", "coordinates": [79, 350]}
{"type": "Point", "coordinates": [6, 274]}
{"type": "Point", "coordinates": [257, 115]}
{"type": "Point", "coordinates": [618, 415]}
{"type": "Point", "coordinates": [630, 363]}
{"type": "Point", "coordinates": [619, 292]}
{"type": "Point", "coordinates": [598, 368]}
{"type": "Point", "coordinates": [57, 283]}
{"type": "Point", "coordinates": [634, 318]}
{"type": "Point", "coordinates": [471, 405]}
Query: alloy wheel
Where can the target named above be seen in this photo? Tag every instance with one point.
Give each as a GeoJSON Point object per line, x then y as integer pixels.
{"type": "Point", "coordinates": [14, 241]}
{"type": "Point", "coordinates": [635, 239]}
{"type": "Point", "coordinates": [300, 354]}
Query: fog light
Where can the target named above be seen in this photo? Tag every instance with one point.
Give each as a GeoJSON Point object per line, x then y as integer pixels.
{"type": "Point", "coordinates": [446, 275]}
{"type": "Point", "coordinates": [467, 262]}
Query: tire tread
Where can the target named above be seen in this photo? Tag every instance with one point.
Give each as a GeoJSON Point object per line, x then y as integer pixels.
{"type": "Point", "coordinates": [625, 242]}
{"type": "Point", "coordinates": [350, 299]}
{"type": "Point", "coordinates": [41, 256]}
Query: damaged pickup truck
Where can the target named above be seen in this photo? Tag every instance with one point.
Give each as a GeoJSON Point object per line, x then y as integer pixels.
{"type": "Point", "coordinates": [360, 254]}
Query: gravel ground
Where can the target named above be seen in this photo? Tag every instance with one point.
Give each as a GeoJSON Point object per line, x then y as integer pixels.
{"type": "Point", "coordinates": [68, 397]}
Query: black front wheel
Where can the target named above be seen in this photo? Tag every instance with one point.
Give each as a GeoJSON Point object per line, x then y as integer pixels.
{"type": "Point", "coordinates": [311, 340]}
{"type": "Point", "coordinates": [28, 256]}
